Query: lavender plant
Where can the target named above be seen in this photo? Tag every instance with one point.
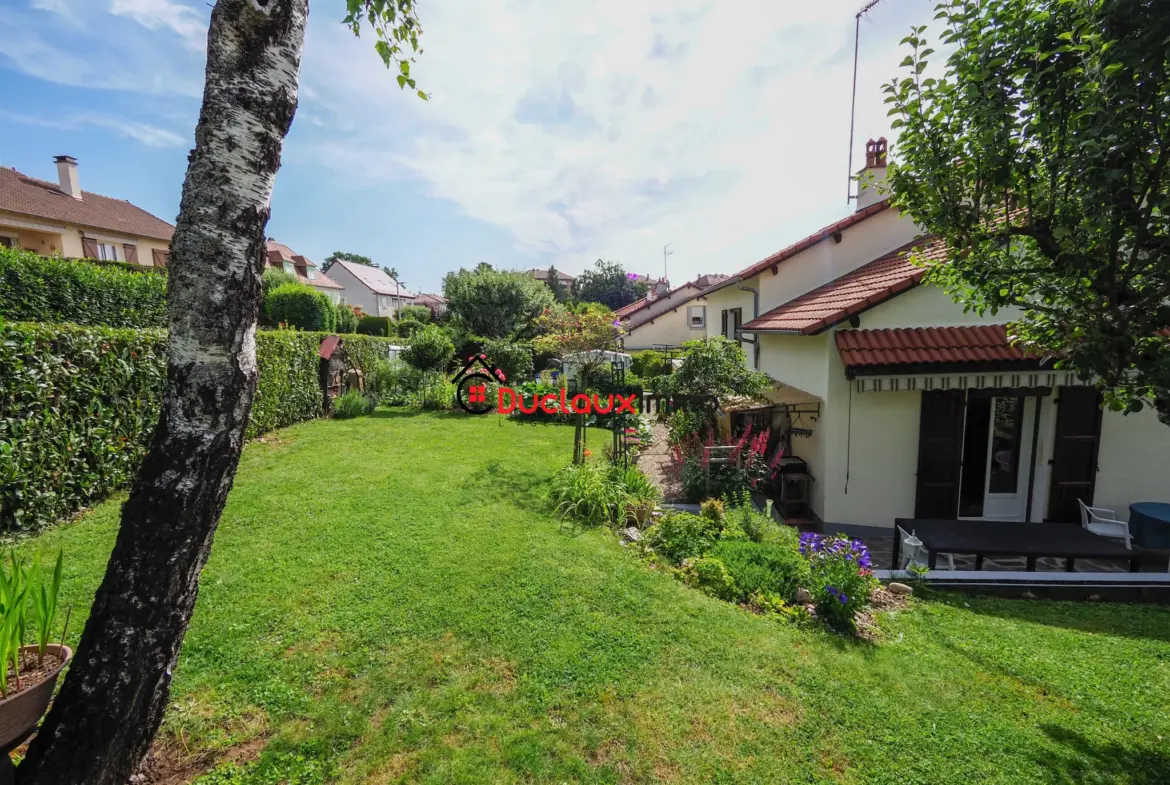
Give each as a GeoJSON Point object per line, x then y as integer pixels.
{"type": "Point", "coordinates": [842, 577]}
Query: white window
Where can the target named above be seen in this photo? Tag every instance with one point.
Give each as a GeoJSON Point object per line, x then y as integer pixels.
{"type": "Point", "coordinates": [290, 268]}
{"type": "Point", "coordinates": [107, 252]}
{"type": "Point", "coordinates": [697, 316]}
{"type": "Point", "coordinates": [311, 273]}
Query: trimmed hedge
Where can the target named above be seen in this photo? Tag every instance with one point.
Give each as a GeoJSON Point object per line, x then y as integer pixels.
{"type": "Point", "coordinates": [298, 305]}
{"type": "Point", "coordinates": [376, 325]}
{"type": "Point", "coordinates": [78, 406]}
{"type": "Point", "coordinates": [40, 289]}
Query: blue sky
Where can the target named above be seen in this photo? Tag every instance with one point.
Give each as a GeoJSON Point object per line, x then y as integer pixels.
{"type": "Point", "coordinates": [558, 132]}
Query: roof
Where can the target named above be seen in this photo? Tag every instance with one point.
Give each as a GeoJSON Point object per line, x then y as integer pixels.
{"type": "Point", "coordinates": [625, 310]}
{"type": "Point", "coordinates": [278, 253]}
{"type": "Point", "coordinates": [375, 279]}
{"type": "Point", "coordinates": [710, 279]}
{"type": "Point", "coordinates": [852, 293]}
{"type": "Point", "coordinates": [26, 195]}
{"type": "Point", "coordinates": [806, 243]}
{"type": "Point", "coordinates": [542, 275]}
{"type": "Point", "coordinates": [925, 345]}
{"type": "Point", "coordinates": [629, 310]}
{"type": "Point", "coordinates": [429, 299]}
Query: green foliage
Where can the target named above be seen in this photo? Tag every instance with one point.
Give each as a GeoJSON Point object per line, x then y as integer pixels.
{"type": "Point", "coordinates": [638, 487]}
{"type": "Point", "coordinates": [681, 536]}
{"type": "Point", "coordinates": [343, 256]}
{"type": "Point", "coordinates": [272, 278]}
{"type": "Point", "coordinates": [39, 289]}
{"type": "Point", "coordinates": [609, 284]}
{"type": "Point", "coordinates": [345, 320]}
{"type": "Point", "coordinates": [649, 363]}
{"type": "Point", "coordinates": [406, 328]}
{"type": "Point", "coordinates": [353, 403]}
{"type": "Point", "coordinates": [45, 595]}
{"type": "Point", "coordinates": [299, 306]}
{"type": "Point", "coordinates": [432, 392]}
{"type": "Point", "coordinates": [512, 357]}
{"type": "Point", "coordinates": [771, 568]}
{"type": "Point", "coordinates": [430, 349]}
{"type": "Point", "coordinates": [418, 313]}
{"type": "Point", "coordinates": [713, 510]}
{"type": "Point", "coordinates": [711, 576]}
{"type": "Point", "coordinates": [560, 292]}
{"type": "Point", "coordinates": [715, 367]}
{"type": "Point", "coordinates": [842, 581]}
{"type": "Point", "coordinates": [685, 425]}
{"type": "Point", "coordinates": [376, 325]}
{"type": "Point", "coordinates": [758, 526]}
{"type": "Point", "coordinates": [1039, 156]}
{"type": "Point", "coordinates": [495, 304]}
{"type": "Point", "coordinates": [601, 494]}
{"type": "Point", "coordinates": [13, 611]}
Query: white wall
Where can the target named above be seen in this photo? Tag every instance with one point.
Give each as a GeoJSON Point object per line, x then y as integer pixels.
{"type": "Point", "coordinates": [928, 306]}
{"type": "Point", "coordinates": [354, 292]}
{"type": "Point", "coordinates": [1134, 461]}
{"type": "Point", "coordinates": [660, 305]}
{"type": "Point", "coordinates": [800, 361]}
{"type": "Point", "coordinates": [670, 328]}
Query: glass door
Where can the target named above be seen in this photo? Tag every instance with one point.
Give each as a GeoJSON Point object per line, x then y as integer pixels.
{"type": "Point", "coordinates": [997, 438]}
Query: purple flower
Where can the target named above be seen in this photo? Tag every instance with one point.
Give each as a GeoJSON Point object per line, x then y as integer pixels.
{"type": "Point", "coordinates": [632, 276]}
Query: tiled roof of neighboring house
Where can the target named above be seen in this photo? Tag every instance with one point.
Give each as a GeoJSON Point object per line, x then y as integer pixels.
{"type": "Point", "coordinates": [26, 195]}
{"type": "Point", "coordinates": [852, 293]}
{"type": "Point", "coordinates": [542, 275]}
{"type": "Point", "coordinates": [922, 345]}
{"type": "Point", "coordinates": [806, 243]}
{"type": "Point", "coordinates": [710, 279]}
{"type": "Point", "coordinates": [629, 310]}
{"type": "Point", "coordinates": [429, 299]}
{"type": "Point", "coordinates": [625, 310]}
{"type": "Point", "coordinates": [278, 253]}
{"type": "Point", "coordinates": [376, 279]}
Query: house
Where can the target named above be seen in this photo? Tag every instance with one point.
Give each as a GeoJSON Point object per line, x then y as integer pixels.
{"type": "Point", "coordinates": [542, 276]}
{"type": "Point", "coordinates": [437, 304]}
{"type": "Point", "coordinates": [667, 320]}
{"type": "Point", "coordinates": [371, 288]}
{"type": "Point", "coordinates": [902, 405]}
{"type": "Point", "coordinates": [281, 257]}
{"type": "Point", "coordinates": [60, 219]}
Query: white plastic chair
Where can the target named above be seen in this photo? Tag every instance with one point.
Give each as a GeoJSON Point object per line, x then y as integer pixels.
{"type": "Point", "coordinates": [1105, 522]}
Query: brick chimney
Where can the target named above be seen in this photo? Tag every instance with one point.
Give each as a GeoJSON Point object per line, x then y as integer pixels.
{"type": "Point", "coordinates": [872, 179]}
{"type": "Point", "coordinates": [67, 175]}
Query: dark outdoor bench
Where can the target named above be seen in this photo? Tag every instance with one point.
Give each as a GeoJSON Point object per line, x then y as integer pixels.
{"type": "Point", "coordinates": [1009, 538]}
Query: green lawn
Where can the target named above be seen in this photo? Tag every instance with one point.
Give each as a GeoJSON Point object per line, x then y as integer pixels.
{"type": "Point", "coordinates": [389, 600]}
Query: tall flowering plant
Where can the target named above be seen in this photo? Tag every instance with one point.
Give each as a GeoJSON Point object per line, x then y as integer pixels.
{"type": "Point", "coordinates": [842, 577]}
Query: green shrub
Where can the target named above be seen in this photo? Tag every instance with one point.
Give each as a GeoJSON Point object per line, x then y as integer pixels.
{"type": "Point", "coordinates": [345, 320]}
{"type": "Point", "coordinates": [38, 289]}
{"type": "Point", "coordinates": [712, 510]}
{"type": "Point", "coordinates": [842, 577]}
{"type": "Point", "coordinates": [649, 364]}
{"type": "Point", "coordinates": [274, 277]}
{"type": "Point", "coordinates": [375, 325]}
{"type": "Point", "coordinates": [681, 536]}
{"type": "Point", "coordinates": [354, 403]}
{"type": "Point", "coordinates": [299, 305]}
{"type": "Point", "coordinates": [434, 392]}
{"type": "Point", "coordinates": [415, 313]}
{"type": "Point", "coordinates": [408, 327]}
{"type": "Point", "coordinates": [771, 568]}
{"type": "Point", "coordinates": [711, 576]}
{"type": "Point", "coordinates": [430, 349]}
{"type": "Point", "coordinates": [514, 358]}
{"type": "Point", "coordinates": [742, 514]}
{"type": "Point", "coordinates": [591, 492]}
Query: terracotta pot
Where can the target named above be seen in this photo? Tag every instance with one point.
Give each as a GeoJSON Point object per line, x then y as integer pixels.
{"type": "Point", "coordinates": [21, 712]}
{"type": "Point", "coordinates": [640, 513]}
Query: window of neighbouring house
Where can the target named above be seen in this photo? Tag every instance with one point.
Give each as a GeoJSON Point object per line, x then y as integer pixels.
{"type": "Point", "coordinates": [733, 323]}
{"type": "Point", "coordinates": [107, 252]}
{"type": "Point", "coordinates": [7, 242]}
{"type": "Point", "coordinates": [697, 316]}
{"type": "Point", "coordinates": [311, 273]}
{"type": "Point", "coordinates": [290, 268]}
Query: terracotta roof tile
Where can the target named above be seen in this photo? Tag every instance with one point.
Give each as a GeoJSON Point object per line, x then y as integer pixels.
{"type": "Point", "coordinates": [279, 253]}
{"type": "Point", "coordinates": [375, 278]}
{"type": "Point", "coordinates": [852, 293]}
{"type": "Point", "coordinates": [923, 345]}
{"type": "Point", "coordinates": [625, 310]}
{"type": "Point", "coordinates": [806, 243]}
{"type": "Point", "coordinates": [26, 195]}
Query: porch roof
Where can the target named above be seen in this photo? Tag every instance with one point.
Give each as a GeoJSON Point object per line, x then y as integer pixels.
{"type": "Point", "coordinates": [868, 350]}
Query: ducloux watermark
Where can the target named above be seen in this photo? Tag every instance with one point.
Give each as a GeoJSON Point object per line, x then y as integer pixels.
{"type": "Point", "coordinates": [474, 384]}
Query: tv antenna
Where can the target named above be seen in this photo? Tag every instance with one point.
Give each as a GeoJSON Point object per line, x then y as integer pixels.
{"type": "Point", "coordinates": [865, 9]}
{"type": "Point", "coordinates": [665, 253]}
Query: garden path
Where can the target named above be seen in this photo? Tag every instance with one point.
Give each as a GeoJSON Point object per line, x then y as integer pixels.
{"type": "Point", "coordinates": [655, 462]}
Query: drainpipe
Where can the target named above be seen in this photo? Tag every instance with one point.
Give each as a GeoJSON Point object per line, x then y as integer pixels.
{"type": "Point", "coordinates": [755, 339]}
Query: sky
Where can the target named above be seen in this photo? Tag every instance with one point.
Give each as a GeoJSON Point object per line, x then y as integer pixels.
{"type": "Point", "coordinates": [557, 132]}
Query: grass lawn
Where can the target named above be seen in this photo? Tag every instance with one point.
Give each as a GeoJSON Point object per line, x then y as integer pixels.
{"type": "Point", "coordinates": [389, 600]}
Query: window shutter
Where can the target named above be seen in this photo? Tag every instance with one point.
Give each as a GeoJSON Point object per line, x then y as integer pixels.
{"type": "Point", "coordinates": [723, 328]}
{"type": "Point", "coordinates": [160, 257]}
{"type": "Point", "coordinates": [131, 252]}
{"type": "Point", "coordinates": [89, 248]}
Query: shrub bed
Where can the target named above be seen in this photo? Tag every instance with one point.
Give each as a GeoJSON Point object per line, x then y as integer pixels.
{"type": "Point", "coordinates": [78, 406]}
{"type": "Point", "coordinates": [39, 289]}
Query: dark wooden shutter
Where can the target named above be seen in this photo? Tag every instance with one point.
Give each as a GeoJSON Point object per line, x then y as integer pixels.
{"type": "Point", "coordinates": [89, 248]}
{"type": "Point", "coordinates": [723, 328]}
{"type": "Point", "coordinates": [1074, 452]}
{"type": "Point", "coordinates": [160, 257]}
{"type": "Point", "coordinates": [940, 446]}
{"type": "Point", "coordinates": [131, 252]}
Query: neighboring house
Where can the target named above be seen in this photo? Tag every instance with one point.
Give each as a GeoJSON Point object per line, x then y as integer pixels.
{"type": "Point", "coordinates": [281, 257]}
{"type": "Point", "coordinates": [370, 287]}
{"type": "Point", "coordinates": [59, 219]}
{"type": "Point", "coordinates": [437, 304]}
{"type": "Point", "coordinates": [670, 319]}
{"type": "Point", "coordinates": [542, 275]}
{"type": "Point", "coordinates": [905, 406]}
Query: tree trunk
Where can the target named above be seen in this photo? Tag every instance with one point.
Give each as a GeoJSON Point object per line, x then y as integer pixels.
{"type": "Point", "coordinates": [114, 696]}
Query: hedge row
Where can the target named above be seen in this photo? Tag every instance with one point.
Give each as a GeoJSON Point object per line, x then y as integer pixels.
{"type": "Point", "coordinates": [39, 289]}
{"type": "Point", "coordinates": [78, 406]}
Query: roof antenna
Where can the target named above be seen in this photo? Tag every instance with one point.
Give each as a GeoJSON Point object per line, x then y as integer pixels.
{"type": "Point", "coordinates": [665, 253]}
{"type": "Point", "coordinates": [853, 106]}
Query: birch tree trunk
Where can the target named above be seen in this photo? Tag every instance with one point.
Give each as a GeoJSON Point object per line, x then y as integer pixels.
{"type": "Point", "coordinates": [113, 698]}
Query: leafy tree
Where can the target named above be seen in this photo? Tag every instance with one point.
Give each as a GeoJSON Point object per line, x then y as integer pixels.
{"type": "Point", "coordinates": [713, 368]}
{"type": "Point", "coordinates": [114, 695]}
{"type": "Point", "coordinates": [495, 304]}
{"type": "Point", "coordinates": [1040, 158]}
{"type": "Point", "coordinates": [298, 305]}
{"type": "Point", "coordinates": [343, 256]}
{"type": "Point", "coordinates": [585, 338]}
{"type": "Point", "coordinates": [430, 350]}
{"type": "Point", "coordinates": [609, 284]}
{"type": "Point", "coordinates": [419, 313]}
{"type": "Point", "coordinates": [274, 277]}
{"type": "Point", "coordinates": [347, 319]}
{"type": "Point", "coordinates": [556, 285]}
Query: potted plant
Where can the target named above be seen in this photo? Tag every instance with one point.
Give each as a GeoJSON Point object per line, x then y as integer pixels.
{"type": "Point", "coordinates": [642, 496]}
{"type": "Point", "coordinates": [28, 673]}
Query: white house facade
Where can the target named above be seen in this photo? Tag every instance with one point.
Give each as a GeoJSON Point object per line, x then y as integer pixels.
{"type": "Point", "coordinates": [668, 320]}
{"type": "Point", "coordinates": [370, 288]}
{"type": "Point", "coordinates": [902, 405]}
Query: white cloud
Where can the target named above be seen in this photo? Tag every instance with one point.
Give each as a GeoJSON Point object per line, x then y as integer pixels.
{"type": "Point", "coordinates": [611, 128]}
{"type": "Point", "coordinates": [147, 134]}
{"type": "Point", "coordinates": [164, 14]}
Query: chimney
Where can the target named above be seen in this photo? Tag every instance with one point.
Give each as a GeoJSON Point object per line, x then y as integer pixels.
{"type": "Point", "coordinates": [872, 179]}
{"type": "Point", "coordinates": [67, 175]}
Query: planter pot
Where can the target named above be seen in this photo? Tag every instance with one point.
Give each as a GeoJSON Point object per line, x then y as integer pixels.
{"type": "Point", "coordinates": [640, 514]}
{"type": "Point", "coordinates": [21, 712]}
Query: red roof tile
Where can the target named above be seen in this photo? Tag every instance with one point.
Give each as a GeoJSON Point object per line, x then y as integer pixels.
{"type": "Point", "coordinates": [920, 345]}
{"type": "Point", "coordinates": [806, 243]}
{"type": "Point", "coordinates": [26, 195]}
{"type": "Point", "coordinates": [279, 253]}
{"type": "Point", "coordinates": [625, 310]}
{"type": "Point", "coordinates": [852, 293]}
